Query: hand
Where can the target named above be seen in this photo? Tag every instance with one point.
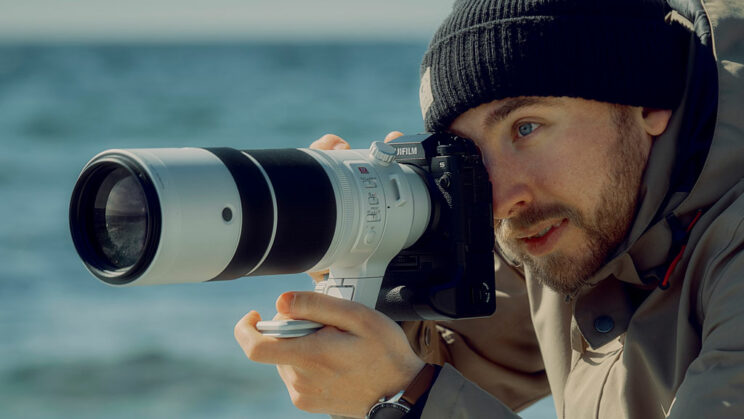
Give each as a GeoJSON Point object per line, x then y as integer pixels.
{"type": "Point", "coordinates": [343, 368]}
{"type": "Point", "coordinates": [334, 142]}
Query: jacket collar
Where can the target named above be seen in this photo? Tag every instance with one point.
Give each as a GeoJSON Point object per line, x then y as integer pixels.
{"type": "Point", "coordinates": [676, 181]}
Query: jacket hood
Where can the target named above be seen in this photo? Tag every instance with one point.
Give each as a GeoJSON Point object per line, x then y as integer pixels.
{"type": "Point", "coordinates": [699, 156]}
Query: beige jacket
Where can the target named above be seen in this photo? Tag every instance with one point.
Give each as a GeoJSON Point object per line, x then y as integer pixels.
{"type": "Point", "coordinates": [625, 348]}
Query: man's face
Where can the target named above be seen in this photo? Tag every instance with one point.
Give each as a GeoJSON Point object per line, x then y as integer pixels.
{"type": "Point", "coordinates": [565, 174]}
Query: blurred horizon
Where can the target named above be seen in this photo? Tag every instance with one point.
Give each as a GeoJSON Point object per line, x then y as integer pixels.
{"type": "Point", "coordinates": [81, 76]}
{"type": "Point", "coordinates": [189, 21]}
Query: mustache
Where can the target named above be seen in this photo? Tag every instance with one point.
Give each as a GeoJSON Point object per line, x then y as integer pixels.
{"type": "Point", "coordinates": [536, 214]}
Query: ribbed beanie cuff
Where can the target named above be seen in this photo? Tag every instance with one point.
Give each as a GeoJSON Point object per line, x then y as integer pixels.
{"type": "Point", "coordinates": [617, 51]}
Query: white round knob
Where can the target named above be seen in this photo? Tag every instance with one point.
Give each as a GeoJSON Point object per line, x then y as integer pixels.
{"type": "Point", "coordinates": [382, 152]}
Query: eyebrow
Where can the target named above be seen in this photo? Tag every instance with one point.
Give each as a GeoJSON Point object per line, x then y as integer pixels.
{"type": "Point", "coordinates": [510, 105]}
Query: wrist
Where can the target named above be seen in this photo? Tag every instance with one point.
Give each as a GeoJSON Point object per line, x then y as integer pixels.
{"type": "Point", "coordinates": [409, 402]}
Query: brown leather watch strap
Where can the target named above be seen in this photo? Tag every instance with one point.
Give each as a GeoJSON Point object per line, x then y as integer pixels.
{"type": "Point", "coordinates": [420, 384]}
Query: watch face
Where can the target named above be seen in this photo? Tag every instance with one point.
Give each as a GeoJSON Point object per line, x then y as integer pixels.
{"type": "Point", "coordinates": [385, 410]}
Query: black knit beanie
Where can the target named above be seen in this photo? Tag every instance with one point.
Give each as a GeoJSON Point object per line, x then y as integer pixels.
{"type": "Point", "coordinates": [618, 51]}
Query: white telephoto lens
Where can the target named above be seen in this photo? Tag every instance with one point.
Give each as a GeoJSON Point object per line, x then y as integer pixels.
{"type": "Point", "coordinates": [176, 215]}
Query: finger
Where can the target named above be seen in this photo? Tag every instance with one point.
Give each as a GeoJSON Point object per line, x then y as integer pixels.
{"type": "Point", "coordinates": [281, 316]}
{"type": "Point", "coordinates": [266, 349]}
{"type": "Point", "coordinates": [305, 393]}
{"type": "Point", "coordinates": [319, 275]}
{"type": "Point", "coordinates": [343, 314]}
{"type": "Point", "coordinates": [393, 135]}
{"type": "Point", "coordinates": [330, 142]}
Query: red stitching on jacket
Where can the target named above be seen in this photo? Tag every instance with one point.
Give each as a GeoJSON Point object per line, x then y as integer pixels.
{"type": "Point", "coordinates": [665, 283]}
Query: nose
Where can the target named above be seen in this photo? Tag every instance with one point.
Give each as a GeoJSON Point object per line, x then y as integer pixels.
{"type": "Point", "coordinates": [509, 186]}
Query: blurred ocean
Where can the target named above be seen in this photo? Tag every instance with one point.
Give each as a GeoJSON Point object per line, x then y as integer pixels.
{"type": "Point", "coordinates": [71, 347]}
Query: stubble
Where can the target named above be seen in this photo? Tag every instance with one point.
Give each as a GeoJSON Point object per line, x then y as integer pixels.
{"type": "Point", "coordinates": [604, 229]}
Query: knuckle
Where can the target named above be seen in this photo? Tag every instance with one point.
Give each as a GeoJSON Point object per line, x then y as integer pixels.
{"type": "Point", "coordinates": [319, 276]}
{"type": "Point", "coordinates": [302, 401]}
{"type": "Point", "coordinates": [301, 384]}
{"type": "Point", "coordinates": [364, 319]}
{"type": "Point", "coordinates": [392, 135]}
{"type": "Point", "coordinates": [250, 350]}
{"type": "Point", "coordinates": [367, 324]}
{"type": "Point", "coordinates": [330, 137]}
{"type": "Point", "coordinates": [326, 141]}
{"type": "Point", "coordinates": [239, 330]}
{"type": "Point", "coordinates": [372, 323]}
{"type": "Point", "coordinates": [255, 351]}
{"type": "Point", "coordinates": [297, 400]}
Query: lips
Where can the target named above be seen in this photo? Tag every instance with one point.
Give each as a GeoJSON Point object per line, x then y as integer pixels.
{"type": "Point", "coordinates": [541, 232]}
{"type": "Point", "coordinates": [541, 241]}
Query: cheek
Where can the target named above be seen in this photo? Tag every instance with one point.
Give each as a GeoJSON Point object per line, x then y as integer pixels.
{"type": "Point", "coordinates": [575, 172]}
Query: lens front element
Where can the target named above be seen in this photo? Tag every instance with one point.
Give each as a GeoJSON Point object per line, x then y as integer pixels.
{"type": "Point", "coordinates": [120, 219]}
{"type": "Point", "coordinates": [115, 219]}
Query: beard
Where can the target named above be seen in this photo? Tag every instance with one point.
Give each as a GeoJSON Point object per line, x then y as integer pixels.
{"type": "Point", "coordinates": [604, 228]}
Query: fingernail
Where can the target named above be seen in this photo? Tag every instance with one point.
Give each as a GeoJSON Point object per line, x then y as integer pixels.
{"type": "Point", "coordinates": [340, 146]}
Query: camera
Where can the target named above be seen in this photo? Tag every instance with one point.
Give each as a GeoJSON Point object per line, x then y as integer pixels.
{"type": "Point", "coordinates": [405, 227]}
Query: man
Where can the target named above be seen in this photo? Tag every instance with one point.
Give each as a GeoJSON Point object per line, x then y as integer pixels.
{"type": "Point", "coordinates": [613, 136]}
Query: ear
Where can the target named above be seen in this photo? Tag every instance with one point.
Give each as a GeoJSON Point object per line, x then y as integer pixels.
{"type": "Point", "coordinates": [655, 121]}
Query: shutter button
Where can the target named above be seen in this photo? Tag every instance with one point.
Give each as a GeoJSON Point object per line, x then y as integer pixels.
{"type": "Point", "coordinates": [604, 324]}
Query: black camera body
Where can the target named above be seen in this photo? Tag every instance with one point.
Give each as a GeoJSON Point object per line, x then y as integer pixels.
{"type": "Point", "coordinates": [449, 271]}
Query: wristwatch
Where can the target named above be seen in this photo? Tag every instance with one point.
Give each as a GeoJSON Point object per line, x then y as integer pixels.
{"type": "Point", "coordinates": [398, 406]}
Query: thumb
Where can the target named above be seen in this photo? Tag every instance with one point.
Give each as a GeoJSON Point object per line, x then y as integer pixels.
{"type": "Point", "coordinates": [332, 311]}
{"type": "Point", "coordinates": [393, 135]}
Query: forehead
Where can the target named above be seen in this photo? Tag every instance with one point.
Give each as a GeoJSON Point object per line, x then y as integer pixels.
{"type": "Point", "coordinates": [488, 114]}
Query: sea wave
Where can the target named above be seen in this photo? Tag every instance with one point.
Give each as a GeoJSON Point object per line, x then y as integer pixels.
{"type": "Point", "coordinates": [151, 383]}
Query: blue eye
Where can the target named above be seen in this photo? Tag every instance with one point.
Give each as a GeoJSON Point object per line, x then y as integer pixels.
{"type": "Point", "coordinates": [527, 128]}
